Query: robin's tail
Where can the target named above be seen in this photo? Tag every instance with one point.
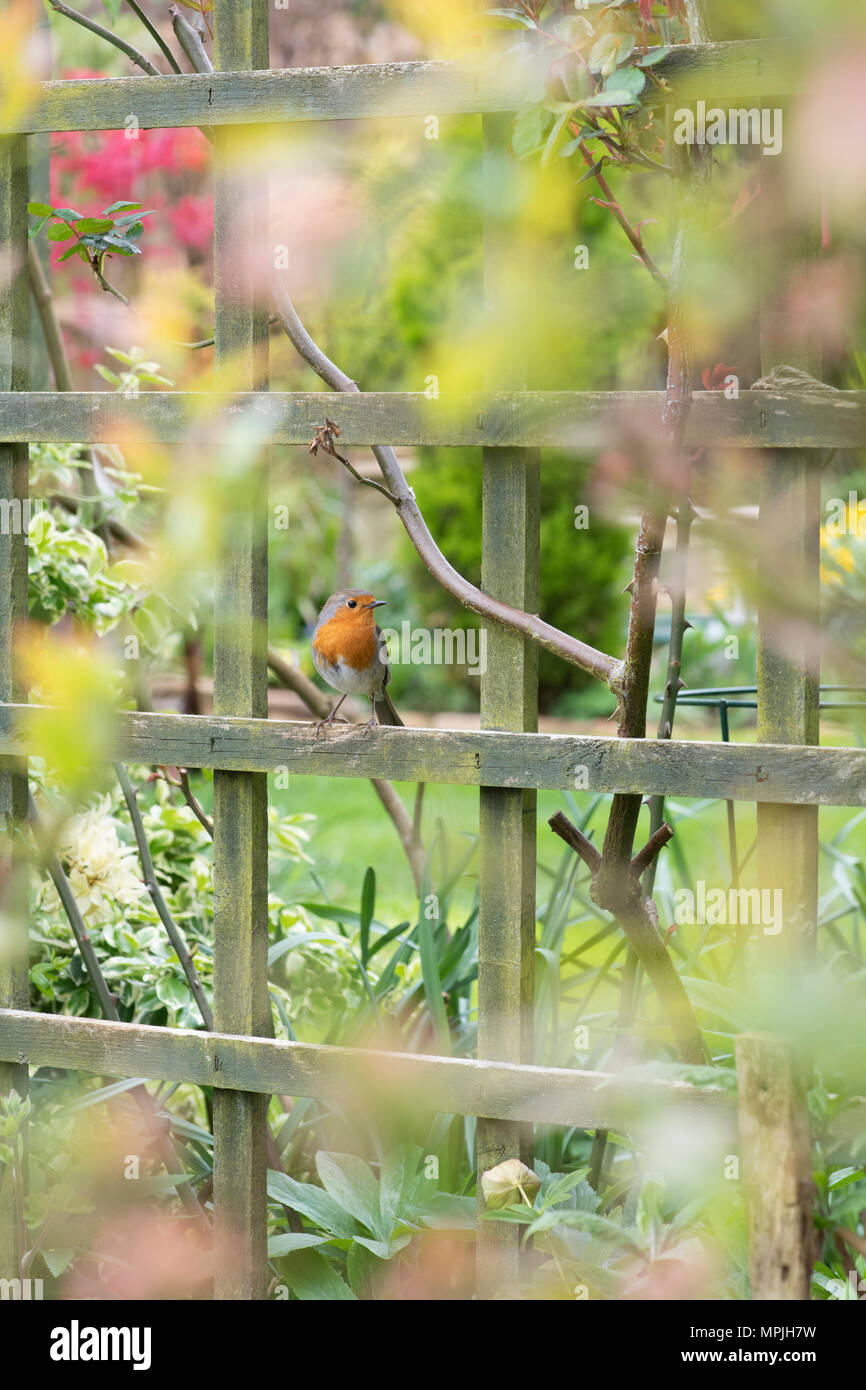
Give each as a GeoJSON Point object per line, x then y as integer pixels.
{"type": "Point", "coordinates": [385, 711]}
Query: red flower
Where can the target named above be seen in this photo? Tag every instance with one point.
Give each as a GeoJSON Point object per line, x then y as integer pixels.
{"type": "Point", "coordinates": [192, 220]}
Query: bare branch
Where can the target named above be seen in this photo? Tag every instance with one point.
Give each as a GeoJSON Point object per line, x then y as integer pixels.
{"type": "Point", "coordinates": [193, 803]}
{"type": "Point", "coordinates": [567, 831]}
{"type": "Point", "coordinates": [631, 232]}
{"type": "Point", "coordinates": [191, 42]}
{"type": "Point", "coordinates": [132, 53]}
{"type": "Point", "coordinates": [654, 844]}
{"type": "Point", "coordinates": [175, 935]}
{"type": "Point", "coordinates": [42, 298]}
{"type": "Point", "coordinates": [637, 919]}
{"type": "Point", "coordinates": [529, 625]}
{"type": "Point", "coordinates": [155, 35]}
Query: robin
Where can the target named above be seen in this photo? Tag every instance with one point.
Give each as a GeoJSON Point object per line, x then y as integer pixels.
{"type": "Point", "coordinates": [351, 654]}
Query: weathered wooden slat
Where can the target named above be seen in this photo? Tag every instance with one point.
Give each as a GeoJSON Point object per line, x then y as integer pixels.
{"type": "Point", "coordinates": [555, 419]}
{"type": "Point", "coordinates": [789, 613]}
{"type": "Point", "coordinates": [14, 949]}
{"type": "Point", "coordinates": [739, 772]}
{"type": "Point", "coordinates": [241, 1000]}
{"type": "Point", "coordinates": [373, 90]}
{"type": "Point", "coordinates": [448, 1085]}
{"type": "Point", "coordinates": [510, 520]}
{"type": "Point", "coordinates": [777, 1168]}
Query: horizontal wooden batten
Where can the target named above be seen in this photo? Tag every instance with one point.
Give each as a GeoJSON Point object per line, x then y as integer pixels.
{"type": "Point", "coordinates": [556, 419]}
{"type": "Point", "coordinates": [733, 71]}
{"type": "Point", "coordinates": [447, 1085]}
{"type": "Point", "coordinates": [741, 772]}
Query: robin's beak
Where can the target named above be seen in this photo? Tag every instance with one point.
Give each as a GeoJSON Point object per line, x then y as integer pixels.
{"type": "Point", "coordinates": [377, 603]}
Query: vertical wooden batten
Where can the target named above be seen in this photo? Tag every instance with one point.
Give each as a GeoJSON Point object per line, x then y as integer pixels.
{"type": "Point", "coordinates": [241, 1003]}
{"type": "Point", "coordinates": [776, 1157]}
{"type": "Point", "coordinates": [14, 491]}
{"type": "Point", "coordinates": [788, 673]}
{"type": "Point", "coordinates": [509, 701]}
{"type": "Point", "coordinates": [773, 1118]}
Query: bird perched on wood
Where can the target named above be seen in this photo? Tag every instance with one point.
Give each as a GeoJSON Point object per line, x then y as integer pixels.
{"type": "Point", "coordinates": [351, 654]}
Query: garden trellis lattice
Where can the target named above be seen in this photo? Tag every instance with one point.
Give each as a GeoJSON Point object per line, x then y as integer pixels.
{"type": "Point", "coordinates": [508, 760]}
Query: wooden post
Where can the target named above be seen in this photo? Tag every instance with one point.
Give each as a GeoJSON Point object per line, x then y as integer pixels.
{"type": "Point", "coordinates": [14, 490]}
{"type": "Point", "coordinates": [773, 1115]}
{"type": "Point", "coordinates": [509, 700]}
{"type": "Point", "coordinates": [775, 1154]}
{"type": "Point", "coordinates": [39, 184]}
{"type": "Point", "coordinates": [241, 1003]}
{"type": "Point", "coordinates": [788, 673]}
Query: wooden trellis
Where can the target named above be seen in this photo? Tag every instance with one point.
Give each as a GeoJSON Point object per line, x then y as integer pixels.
{"type": "Point", "coordinates": [507, 760]}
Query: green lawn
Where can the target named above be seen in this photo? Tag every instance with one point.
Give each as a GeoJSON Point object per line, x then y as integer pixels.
{"type": "Point", "coordinates": [352, 831]}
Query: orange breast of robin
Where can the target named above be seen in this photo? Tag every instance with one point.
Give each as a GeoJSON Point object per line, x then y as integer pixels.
{"type": "Point", "coordinates": [352, 637]}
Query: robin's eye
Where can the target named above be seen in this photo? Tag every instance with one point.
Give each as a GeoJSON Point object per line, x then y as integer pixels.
{"type": "Point", "coordinates": [350, 603]}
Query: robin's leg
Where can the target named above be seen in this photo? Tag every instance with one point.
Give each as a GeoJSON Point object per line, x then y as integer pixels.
{"type": "Point", "coordinates": [372, 720]}
{"type": "Point", "coordinates": [329, 718]}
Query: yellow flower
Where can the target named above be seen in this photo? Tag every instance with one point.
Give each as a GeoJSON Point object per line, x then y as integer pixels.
{"type": "Point", "coordinates": [844, 559]}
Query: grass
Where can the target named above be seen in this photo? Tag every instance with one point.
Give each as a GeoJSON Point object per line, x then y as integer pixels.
{"type": "Point", "coordinates": [352, 831]}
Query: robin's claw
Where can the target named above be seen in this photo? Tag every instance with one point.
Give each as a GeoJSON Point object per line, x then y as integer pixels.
{"type": "Point", "coordinates": [329, 719]}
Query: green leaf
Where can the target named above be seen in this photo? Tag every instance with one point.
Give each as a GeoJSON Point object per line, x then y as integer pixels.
{"type": "Point", "coordinates": [172, 993]}
{"type": "Point", "coordinates": [843, 1176]}
{"type": "Point", "coordinates": [40, 209]}
{"type": "Point", "coordinates": [575, 144]}
{"type": "Point", "coordinates": [602, 56]}
{"type": "Point", "coordinates": [599, 1226]}
{"type": "Point", "coordinates": [444, 1211]}
{"type": "Point", "coordinates": [118, 244]}
{"type": "Point", "coordinates": [718, 999]}
{"type": "Point", "coordinates": [121, 207]}
{"type": "Point", "coordinates": [58, 1261]}
{"type": "Point", "coordinates": [68, 214]}
{"type": "Point", "coordinates": [104, 1093]}
{"type": "Point", "coordinates": [313, 1203]}
{"type": "Point", "coordinates": [564, 1183]}
{"type": "Point", "coordinates": [368, 903]}
{"type": "Point", "coordinates": [430, 971]}
{"type": "Point", "coordinates": [529, 127]}
{"type": "Point", "coordinates": [654, 56]}
{"type": "Point", "coordinates": [60, 232]}
{"type": "Point", "coordinates": [295, 940]}
{"type": "Point", "coordinates": [627, 80]}
{"type": "Point", "coordinates": [617, 98]}
{"type": "Point", "coordinates": [107, 374]}
{"type": "Point", "coordinates": [285, 1244]}
{"type": "Point", "coordinates": [511, 19]}
{"type": "Point", "coordinates": [593, 170]}
{"type": "Point", "coordinates": [133, 217]}
{"type": "Point", "coordinates": [361, 1267]}
{"type": "Point", "coordinates": [396, 1177]}
{"type": "Point", "coordinates": [385, 1249]}
{"type": "Point", "coordinates": [351, 1182]}
{"type": "Point", "coordinates": [313, 1279]}
{"type": "Point", "coordinates": [92, 225]}
{"type": "Point", "coordinates": [76, 250]}
{"type": "Point", "coordinates": [558, 132]}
